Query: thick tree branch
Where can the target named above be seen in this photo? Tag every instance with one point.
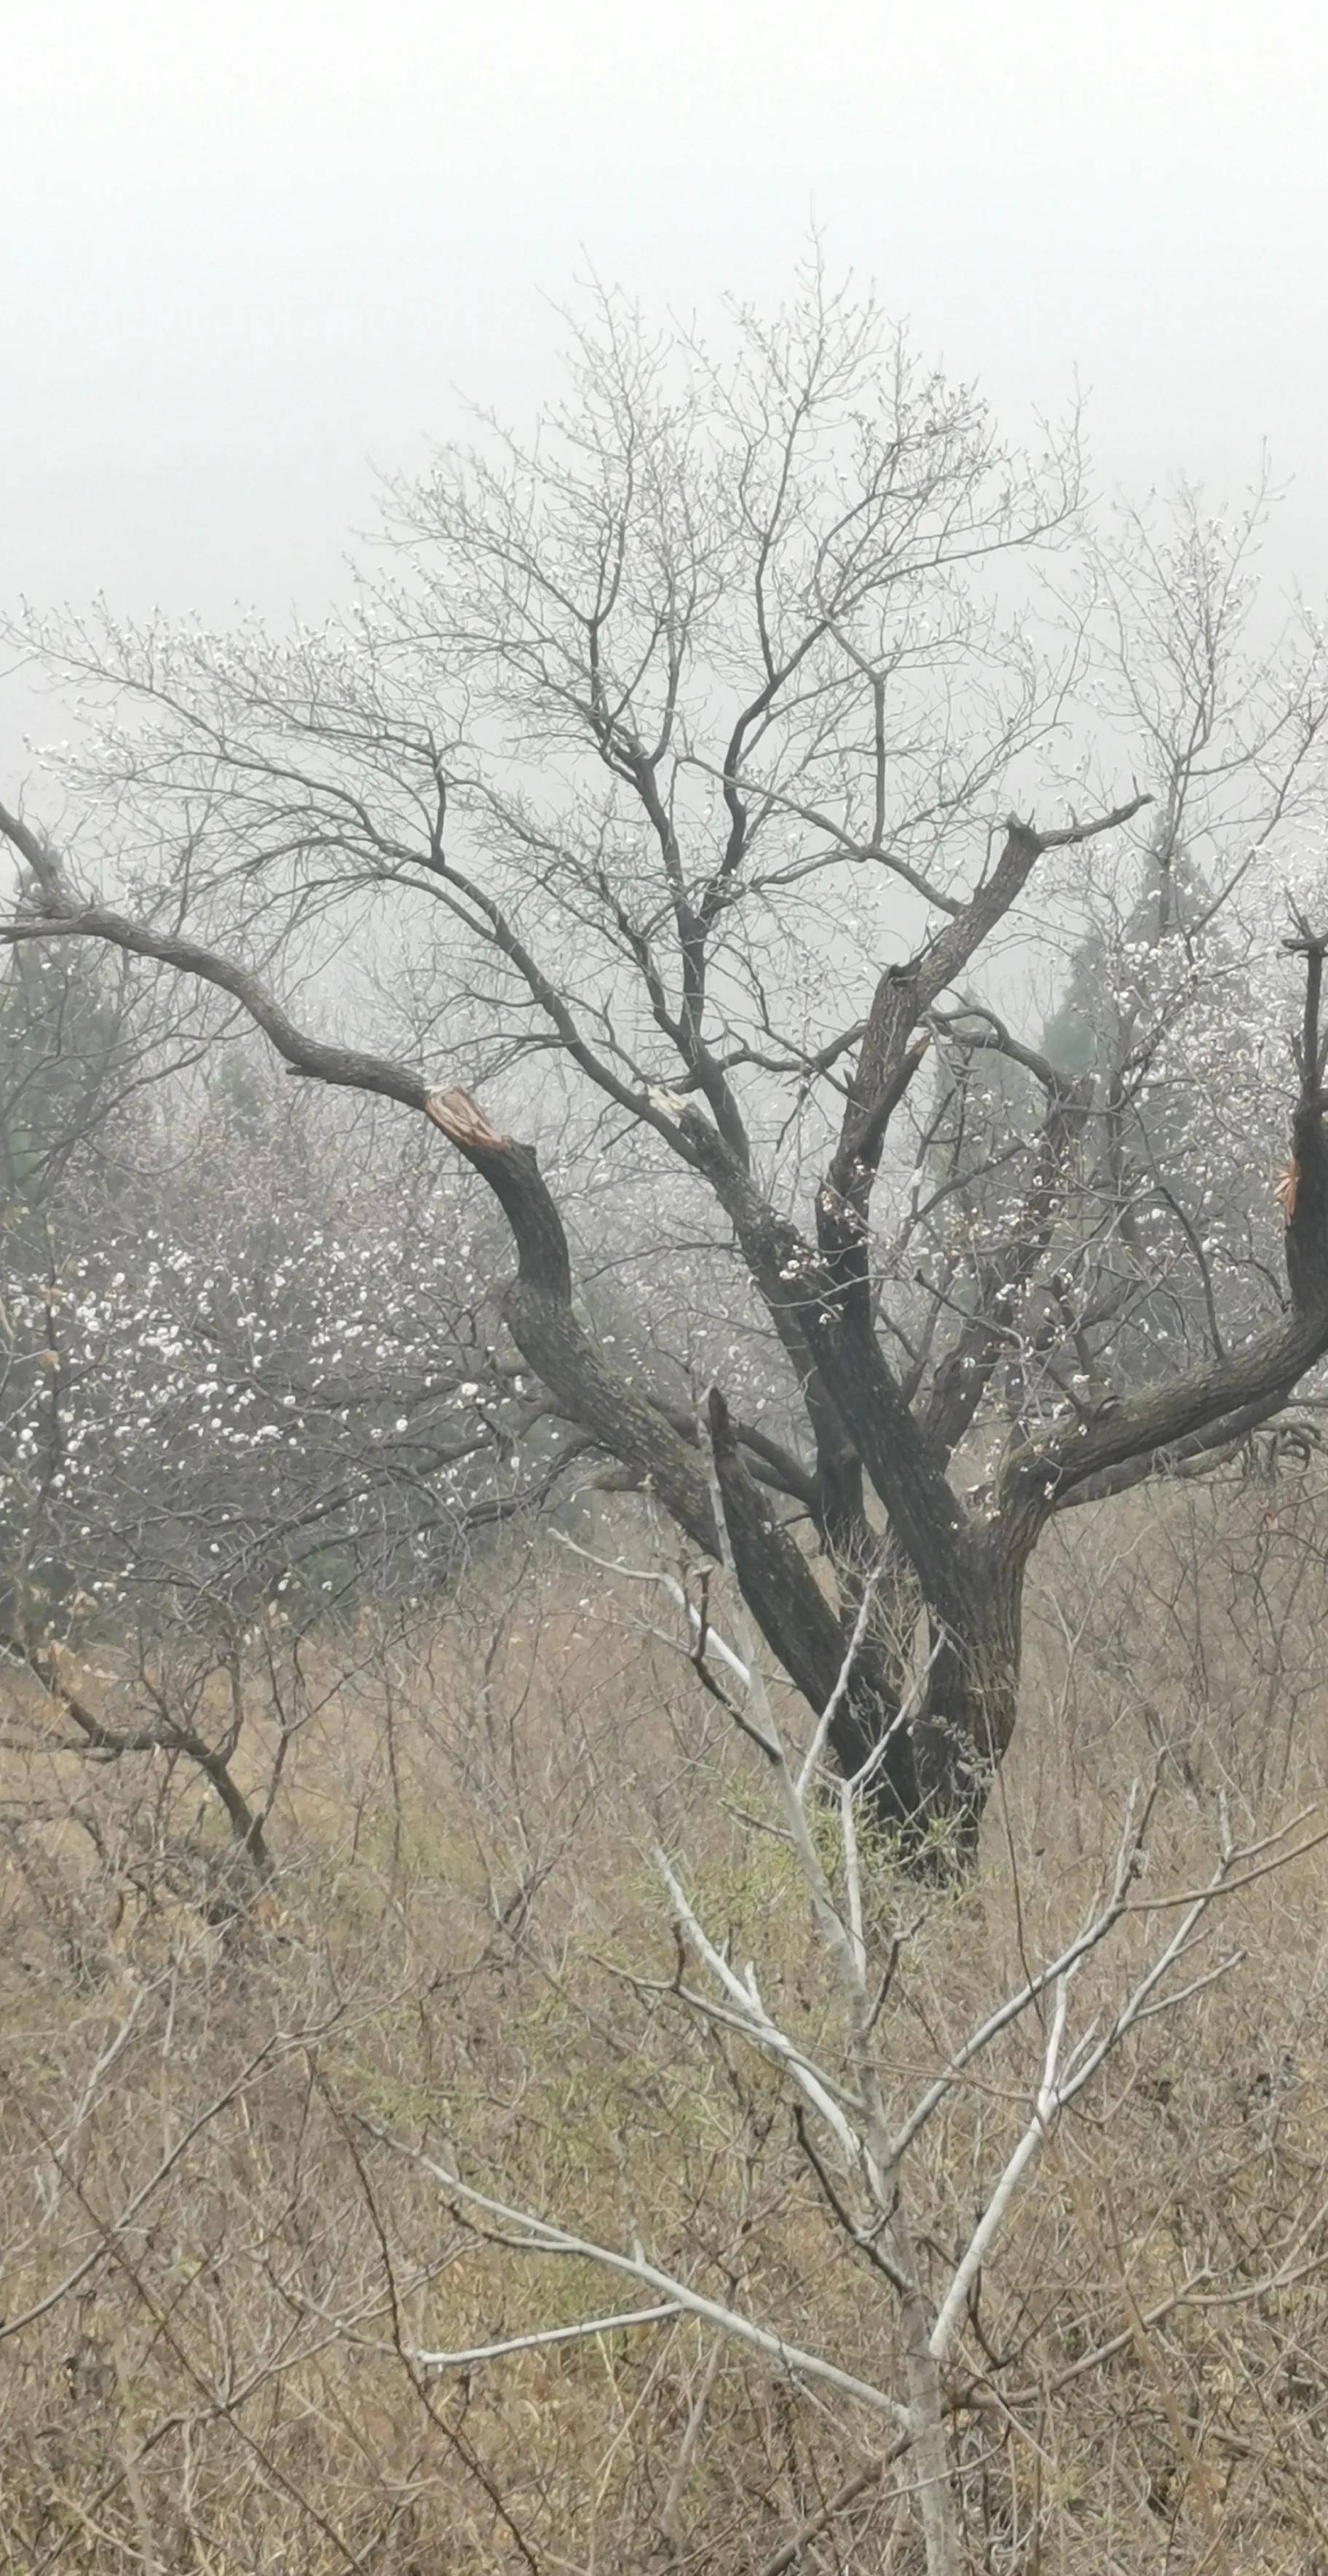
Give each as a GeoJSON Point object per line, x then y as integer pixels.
{"type": "Point", "coordinates": [905, 994]}
{"type": "Point", "coordinates": [776, 1581]}
{"type": "Point", "coordinates": [1224, 1435]}
{"type": "Point", "coordinates": [67, 918]}
{"type": "Point", "coordinates": [800, 1291]}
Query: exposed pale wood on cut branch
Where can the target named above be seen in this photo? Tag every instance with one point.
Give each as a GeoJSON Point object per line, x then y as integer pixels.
{"type": "Point", "coordinates": [461, 1121]}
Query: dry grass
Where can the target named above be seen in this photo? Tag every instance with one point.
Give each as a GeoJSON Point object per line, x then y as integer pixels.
{"type": "Point", "coordinates": [228, 2264]}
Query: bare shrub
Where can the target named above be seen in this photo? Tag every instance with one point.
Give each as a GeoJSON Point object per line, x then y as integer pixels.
{"type": "Point", "coordinates": [219, 2279]}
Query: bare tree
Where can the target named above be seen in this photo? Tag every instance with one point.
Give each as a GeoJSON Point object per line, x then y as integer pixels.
{"type": "Point", "coordinates": [671, 758]}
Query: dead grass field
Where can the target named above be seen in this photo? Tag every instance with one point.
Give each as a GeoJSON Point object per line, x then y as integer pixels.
{"type": "Point", "coordinates": [216, 2268]}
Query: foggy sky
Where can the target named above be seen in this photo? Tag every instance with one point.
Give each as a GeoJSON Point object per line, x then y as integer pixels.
{"type": "Point", "coordinates": [250, 253]}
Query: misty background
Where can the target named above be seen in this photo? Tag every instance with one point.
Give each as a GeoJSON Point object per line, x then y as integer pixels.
{"type": "Point", "coordinates": [252, 257]}
{"type": "Point", "coordinates": [920, 1280]}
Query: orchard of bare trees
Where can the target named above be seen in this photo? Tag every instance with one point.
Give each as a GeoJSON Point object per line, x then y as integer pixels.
{"type": "Point", "coordinates": [661, 1538]}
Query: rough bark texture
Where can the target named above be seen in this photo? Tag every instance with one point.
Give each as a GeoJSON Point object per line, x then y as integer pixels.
{"type": "Point", "coordinates": [777, 1581]}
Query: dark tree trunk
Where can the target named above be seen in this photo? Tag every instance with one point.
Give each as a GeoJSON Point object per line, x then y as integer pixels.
{"type": "Point", "coordinates": [778, 1584]}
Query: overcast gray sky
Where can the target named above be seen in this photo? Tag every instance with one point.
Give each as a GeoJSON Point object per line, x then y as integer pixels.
{"type": "Point", "coordinates": [252, 251]}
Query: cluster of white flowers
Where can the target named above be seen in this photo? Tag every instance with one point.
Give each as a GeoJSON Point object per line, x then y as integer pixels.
{"type": "Point", "coordinates": [223, 1391]}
